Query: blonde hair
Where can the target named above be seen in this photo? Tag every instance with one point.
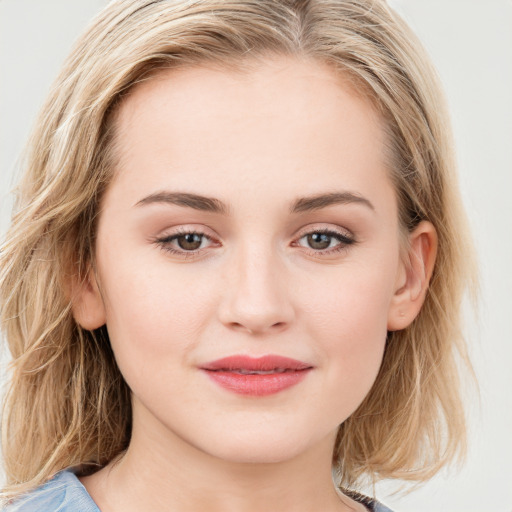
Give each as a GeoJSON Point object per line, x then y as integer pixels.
{"type": "Point", "coordinates": [67, 404]}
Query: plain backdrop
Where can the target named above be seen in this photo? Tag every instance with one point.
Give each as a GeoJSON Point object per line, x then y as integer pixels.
{"type": "Point", "coordinates": [470, 42]}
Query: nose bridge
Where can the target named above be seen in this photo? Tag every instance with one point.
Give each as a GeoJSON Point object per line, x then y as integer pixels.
{"type": "Point", "coordinates": [256, 275]}
{"type": "Point", "coordinates": [256, 296]}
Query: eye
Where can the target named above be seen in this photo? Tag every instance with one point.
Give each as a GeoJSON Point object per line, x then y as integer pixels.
{"type": "Point", "coordinates": [325, 241]}
{"type": "Point", "coordinates": [190, 241]}
{"type": "Point", "coordinates": [185, 243]}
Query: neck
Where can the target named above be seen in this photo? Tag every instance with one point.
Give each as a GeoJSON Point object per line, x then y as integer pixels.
{"type": "Point", "coordinates": [174, 475]}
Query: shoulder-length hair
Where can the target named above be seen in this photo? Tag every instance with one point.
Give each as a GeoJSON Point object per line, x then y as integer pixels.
{"type": "Point", "coordinates": [67, 404]}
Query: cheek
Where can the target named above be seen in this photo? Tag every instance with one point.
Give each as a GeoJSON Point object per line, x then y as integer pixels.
{"type": "Point", "coordinates": [353, 302]}
{"type": "Point", "coordinates": [157, 314]}
{"type": "Point", "coordinates": [348, 320]}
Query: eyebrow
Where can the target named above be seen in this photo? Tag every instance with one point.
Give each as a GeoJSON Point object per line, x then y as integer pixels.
{"type": "Point", "coordinates": [213, 205]}
{"type": "Point", "coordinates": [197, 202]}
{"type": "Point", "coordinates": [307, 204]}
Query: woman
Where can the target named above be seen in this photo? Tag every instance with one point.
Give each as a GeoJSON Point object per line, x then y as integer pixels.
{"type": "Point", "coordinates": [236, 265]}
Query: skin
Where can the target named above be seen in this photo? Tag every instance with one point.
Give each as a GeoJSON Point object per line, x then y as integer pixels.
{"type": "Point", "coordinates": [257, 142]}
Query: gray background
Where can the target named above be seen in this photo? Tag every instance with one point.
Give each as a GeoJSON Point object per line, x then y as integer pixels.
{"type": "Point", "coordinates": [471, 43]}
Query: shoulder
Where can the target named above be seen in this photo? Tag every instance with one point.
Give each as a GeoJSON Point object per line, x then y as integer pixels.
{"type": "Point", "coordinates": [63, 493]}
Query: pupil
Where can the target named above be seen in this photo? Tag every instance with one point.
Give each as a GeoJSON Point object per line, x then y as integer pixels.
{"type": "Point", "coordinates": [190, 241]}
{"type": "Point", "coordinates": [319, 240]}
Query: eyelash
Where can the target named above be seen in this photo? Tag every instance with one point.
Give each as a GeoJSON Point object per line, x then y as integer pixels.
{"type": "Point", "coordinates": [344, 240]}
{"type": "Point", "coordinates": [165, 242]}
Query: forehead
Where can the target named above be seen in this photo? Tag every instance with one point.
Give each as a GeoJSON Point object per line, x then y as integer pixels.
{"type": "Point", "coordinates": [274, 86]}
{"type": "Point", "coordinates": [280, 121]}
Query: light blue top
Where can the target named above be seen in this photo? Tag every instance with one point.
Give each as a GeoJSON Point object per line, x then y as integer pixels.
{"type": "Point", "coordinates": [65, 493]}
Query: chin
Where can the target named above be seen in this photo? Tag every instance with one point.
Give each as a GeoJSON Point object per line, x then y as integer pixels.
{"type": "Point", "coordinates": [261, 447]}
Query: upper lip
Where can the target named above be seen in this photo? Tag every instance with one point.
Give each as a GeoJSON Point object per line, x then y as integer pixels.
{"type": "Point", "coordinates": [248, 363]}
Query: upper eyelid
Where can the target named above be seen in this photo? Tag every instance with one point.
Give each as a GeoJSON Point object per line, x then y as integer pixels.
{"type": "Point", "coordinates": [205, 231]}
{"type": "Point", "coordinates": [338, 230]}
{"type": "Point", "coordinates": [184, 230]}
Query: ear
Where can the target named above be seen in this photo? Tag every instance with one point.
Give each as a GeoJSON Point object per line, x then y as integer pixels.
{"type": "Point", "coordinates": [413, 277]}
{"type": "Point", "coordinates": [86, 301]}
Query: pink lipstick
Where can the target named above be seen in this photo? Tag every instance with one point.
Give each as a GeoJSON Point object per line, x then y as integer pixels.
{"type": "Point", "coordinates": [259, 376]}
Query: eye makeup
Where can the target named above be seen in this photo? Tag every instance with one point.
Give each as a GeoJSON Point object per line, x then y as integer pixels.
{"type": "Point", "coordinates": [193, 242]}
{"type": "Point", "coordinates": [325, 241]}
{"type": "Point", "coordinates": [186, 242]}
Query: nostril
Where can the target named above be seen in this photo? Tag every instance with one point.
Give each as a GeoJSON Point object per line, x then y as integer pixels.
{"type": "Point", "coordinates": [256, 329]}
{"type": "Point", "coordinates": [240, 327]}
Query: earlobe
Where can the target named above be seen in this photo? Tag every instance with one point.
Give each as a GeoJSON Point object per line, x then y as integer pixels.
{"type": "Point", "coordinates": [413, 277]}
{"type": "Point", "coordinates": [86, 302]}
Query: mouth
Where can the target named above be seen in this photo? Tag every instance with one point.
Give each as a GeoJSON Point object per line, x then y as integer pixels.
{"type": "Point", "coordinates": [243, 371]}
{"type": "Point", "coordinates": [260, 376]}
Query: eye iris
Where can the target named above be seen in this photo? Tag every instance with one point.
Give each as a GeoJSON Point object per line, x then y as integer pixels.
{"type": "Point", "coordinates": [190, 241]}
{"type": "Point", "coordinates": [319, 240]}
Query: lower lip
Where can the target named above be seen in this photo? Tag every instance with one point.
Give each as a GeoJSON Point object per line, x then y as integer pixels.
{"type": "Point", "coordinates": [255, 384]}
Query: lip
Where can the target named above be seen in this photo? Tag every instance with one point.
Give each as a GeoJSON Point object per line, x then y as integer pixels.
{"type": "Point", "coordinates": [243, 375]}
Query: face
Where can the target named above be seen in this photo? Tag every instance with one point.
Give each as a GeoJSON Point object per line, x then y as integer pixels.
{"type": "Point", "coordinates": [251, 218]}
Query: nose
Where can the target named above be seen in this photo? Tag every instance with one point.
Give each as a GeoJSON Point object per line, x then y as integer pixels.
{"type": "Point", "coordinates": [256, 299]}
